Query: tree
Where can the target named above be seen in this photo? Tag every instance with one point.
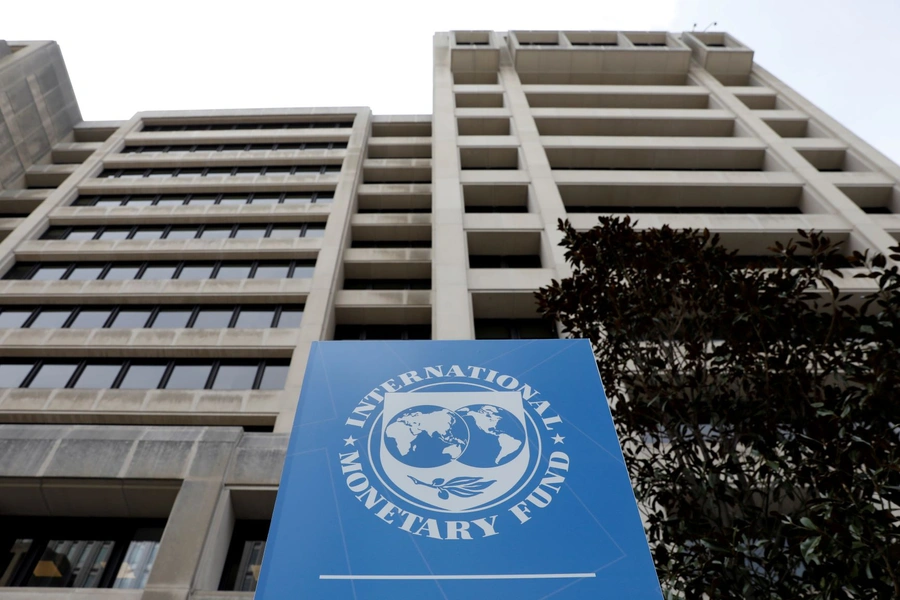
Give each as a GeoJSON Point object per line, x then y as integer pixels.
{"type": "Point", "coordinates": [758, 409]}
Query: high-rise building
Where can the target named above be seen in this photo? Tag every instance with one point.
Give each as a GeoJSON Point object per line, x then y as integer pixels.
{"type": "Point", "coordinates": [162, 278]}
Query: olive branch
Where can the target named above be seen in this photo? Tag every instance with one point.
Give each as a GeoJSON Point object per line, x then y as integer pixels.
{"type": "Point", "coordinates": [464, 487]}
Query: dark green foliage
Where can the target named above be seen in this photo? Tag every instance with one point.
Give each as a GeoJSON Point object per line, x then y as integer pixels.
{"type": "Point", "coordinates": [758, 410]}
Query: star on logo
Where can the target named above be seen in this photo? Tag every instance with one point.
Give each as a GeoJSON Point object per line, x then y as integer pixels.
{"type": "Point", "coordinates": [557, 439]}
{"type": "Point", "coordinates": [350, 441]}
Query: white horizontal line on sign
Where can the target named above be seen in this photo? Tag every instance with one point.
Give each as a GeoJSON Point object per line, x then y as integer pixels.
{"type": "Point", "coordinates": [432, 577]}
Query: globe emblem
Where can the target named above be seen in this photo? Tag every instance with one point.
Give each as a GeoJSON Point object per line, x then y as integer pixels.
{"type": "Point", "coordinates": [479, 435]}
{"type": "Point", "coordinates": [496, 436]}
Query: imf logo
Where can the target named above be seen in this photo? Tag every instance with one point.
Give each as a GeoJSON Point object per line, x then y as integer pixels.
{"type": "Point", "coordinates": [452, 451]}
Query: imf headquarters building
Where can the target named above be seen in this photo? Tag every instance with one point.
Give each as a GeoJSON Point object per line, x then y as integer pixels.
{"type": "Point", "coordinates": [162, 278]}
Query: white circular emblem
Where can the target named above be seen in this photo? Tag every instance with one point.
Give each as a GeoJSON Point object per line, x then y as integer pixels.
{"type": "Point", "coordinates": [458, 443]}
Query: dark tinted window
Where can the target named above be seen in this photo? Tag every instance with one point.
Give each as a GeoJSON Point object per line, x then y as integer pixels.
{"type": "Point", "coordinates": [53, 375]}
{"type": "Point", "coordinates": [196, 271]}
{"type": "Point", "coordinates": [188, 377]}
{"type": "Point", "coordinates": [14, 317]}
{"type": "Point", "coordinates": [122, 272]}
{"type": "Point", "coordinates": [92, 318]}
{"type": "Point", "coordinates": [51, 318]}
{"type": "Point", "coordinates": [131, 318]}
{"type": "Point", "coordinates": [234, 271]}
{"type": "Point", "coordinates": [274, 377]}
{"type": "Point", "coordinates": [255, 318]}
{"type": "Point", "coordinates": [276, 271]}
{"type": "Point", "coordinates": [52, 273]}
{"type": "Point", "coordinates": [98, 376]}
{"type": "Point", "coordinates": [85, 273]}
{"type": "Point", "coordinates": [213, 318]}
{"type": "Point", "coordinates": [172, 318]}
{"type": "Point", "coordinates": [157, 272]}
{"type": "Point", "coordinates": [235, 377]}
{"type": "Point", "coordinates": [13, 374]}
{"type": "Point", "coordinates": [142, 377]}
{"type": "Point", "coordinates": [290, 317]}
{"type": "Point", "coordinates": [115, 234]}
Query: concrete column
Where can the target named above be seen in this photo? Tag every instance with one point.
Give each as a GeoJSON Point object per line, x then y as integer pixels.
{"type": "Point", "coordinates": [318, 315]}
{"type": "Point", "coordinates": [547, 198]}
{"type": "Point", "coordinates": [452, 307]}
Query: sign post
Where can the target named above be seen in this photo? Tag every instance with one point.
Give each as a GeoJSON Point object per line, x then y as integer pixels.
{"type": "Point", "coordinates": [455, 470]}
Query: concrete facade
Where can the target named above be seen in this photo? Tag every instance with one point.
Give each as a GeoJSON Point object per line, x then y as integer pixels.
{"type": "Point", "coordinates": [438, 226]}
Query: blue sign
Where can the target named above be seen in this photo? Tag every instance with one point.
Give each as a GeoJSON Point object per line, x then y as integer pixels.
{"type": "Point", "coordinates": [455, 470]}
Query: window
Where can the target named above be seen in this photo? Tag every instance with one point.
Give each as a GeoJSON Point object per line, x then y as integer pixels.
{"type": "Point", "coordinates": [290, 317]}
{"type": "Point", "coordinates": [274, 271]}
{"type": "Point", "coordinates": [513, 329]}
{"type": "Point", "coordinates": [160, 271]}
{"type": "Point", "coordinates": [511, 261]}
{"type": "Point", "coordinates": [82, 273]}
{"type": "Point", "coordinates": [387, 284]}
{"type": "Point", "coordinates": [182, 233]}
{"type": "Point", "coordinates": [51, 318]}
{"type": "Point", "coordinates": [131, 318]}
{"type": "Point", "coordinates": [98, 376]}
{"type": "Point", "coordinates": [235, 377]}
{"type": "Point", "coordinates": [274, 377]}
{"type": "Point", "coordinates": [148, 233]}
{"type": "Point", "coordinates": [391, 244]}
{"type": "Point", "coordinates": [52, 375]}
{"type": "Point", "coordinates": [158, 173]}
{"type": "Point", "coordinates": [122, 272]}
{"type": "Point", "coordinates": [213, 318]}
{"type": "Point", "coordinates": [141, 200]}
{"type": "Point", "coordinates": [77, 553]}
{"type": "Point", "coordinates": [250, 232]}
{"type": "Point", "coordinates": [197, 271]}
{"type": "Point", "coordinates": [51, 273]}
{"type": "Point", "coordinates": [215, 233]}
{"type": "Point", "coordinates": [172, 318]}
{"type": "Point", "coordinates": [234, 271]}
{"type": "Point", "coordinates": [188, 377]}
{"type": "Point", "coordinates": [245, 126]}
{"type": "Point", "coordinates": [142, 377]}
{"type": "Point", "coordinates": [382, 332]}
{"type": "Point", "coordinates": [12, 374]}
{"type": "Point", "coordinates": [244, 558]}
{"type": "Point", "coordinates": [90, 318]}
{"type": "Point", "coordinates": [99, 373]}
{"type": "Point", "coordinates": [255, 318]}
{"type": "Point", "coordinates": [110, 234]}
{"type": "Point", "coordinates": [13, 318]}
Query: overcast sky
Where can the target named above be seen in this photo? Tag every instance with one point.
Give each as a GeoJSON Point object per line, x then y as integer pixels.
{"type": "Point", "coordinates": [124, 57]}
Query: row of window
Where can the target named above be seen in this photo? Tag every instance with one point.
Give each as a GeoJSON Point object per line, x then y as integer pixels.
{"type": "Point", "coordinates": [390, 244]}
{"type": "Point", "coordinates": [143, 374]}
{"type": "Point", "coordinates": [78, 553]}
{"type": "Point", "coordinates": [259, 198]}
{"type": "Point", "coordinates": [387, 284]}
{"type": "Point", "coordinates": [190, 270]}
{"type": "Point", "coordinates": [485, 329]}
{"type": "Point", "coordinates": [687, 210]}
{"type": "Point", "coordinates": [252, 316]}
{"type": "Point", "coordinates": [249, 231]}
{"type": "Point", "coordinates": [662, 168]}
{"type": "Point", "coordinates": [392, 211]}
{"type": "Point", "coordinates": [509, 261]}
{"type": "Point", "coordinates": [249, 126]}
{"type": "Point", "coordinates": [205, 171]}
{"type": "Point", "coordinates": [234, 147]}
{"type": "Point", "coordinates": [109, 552]}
